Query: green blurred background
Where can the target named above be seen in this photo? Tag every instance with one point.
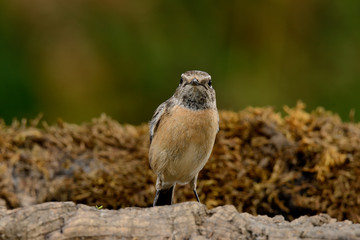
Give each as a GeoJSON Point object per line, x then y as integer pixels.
{"type": "Point", "coordinates": [76, 59]}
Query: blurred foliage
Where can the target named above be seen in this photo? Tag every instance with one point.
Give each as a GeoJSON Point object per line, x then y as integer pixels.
{"type": "Point", "coordinates": [77, 59]}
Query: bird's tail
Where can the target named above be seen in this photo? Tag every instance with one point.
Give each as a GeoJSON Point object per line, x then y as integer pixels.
{"type": "Point", "coordinates": [164, 197]}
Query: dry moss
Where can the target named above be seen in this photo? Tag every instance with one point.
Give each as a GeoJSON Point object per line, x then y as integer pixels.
{"type": "Point", "coordinates": [263, 163]}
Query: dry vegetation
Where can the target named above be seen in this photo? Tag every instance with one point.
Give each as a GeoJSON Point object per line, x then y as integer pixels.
{"type": "Point", "coordinates": [262, 163]}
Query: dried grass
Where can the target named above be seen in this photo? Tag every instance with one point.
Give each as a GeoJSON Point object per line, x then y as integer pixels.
{"type": "Point", "coordinates": [263, 163]}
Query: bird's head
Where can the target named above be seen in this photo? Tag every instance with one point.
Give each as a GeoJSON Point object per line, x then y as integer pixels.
{"type": "Point", "coordinates": [195, 90]}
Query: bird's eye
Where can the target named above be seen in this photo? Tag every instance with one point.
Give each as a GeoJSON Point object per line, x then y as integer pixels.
{"type": "Point", "coordinates": [181, 81]}
{"type": "Point", "coordinates": [210, 83]}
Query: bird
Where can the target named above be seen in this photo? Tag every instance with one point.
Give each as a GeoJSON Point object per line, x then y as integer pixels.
{"type": "Point", "coordinates": [182, 135]}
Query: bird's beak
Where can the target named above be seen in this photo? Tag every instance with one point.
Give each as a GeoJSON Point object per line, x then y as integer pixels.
{"type": "Point", "coordinates": [195, 82]}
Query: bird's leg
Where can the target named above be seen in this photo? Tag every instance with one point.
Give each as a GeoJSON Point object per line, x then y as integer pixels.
{"type": "Point", "coordinates": [193, 186]}
{"type": "Point", "coordinates": [156, 197]}
{"type": "Point", "coordinates": [196, 195]}
{"type": "Point", "coordinates": [158, 187]}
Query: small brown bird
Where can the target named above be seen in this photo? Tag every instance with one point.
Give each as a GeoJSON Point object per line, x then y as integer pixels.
{"type": "Point", "coordinates": [182, 135]}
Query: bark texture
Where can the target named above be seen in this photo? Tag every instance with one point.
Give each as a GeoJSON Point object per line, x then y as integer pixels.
{"type": "Point", "coordinates": [190, 220]}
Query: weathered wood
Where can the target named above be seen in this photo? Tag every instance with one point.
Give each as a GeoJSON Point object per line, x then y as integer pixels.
{"type": "Point", "coordinates": [190, 220]}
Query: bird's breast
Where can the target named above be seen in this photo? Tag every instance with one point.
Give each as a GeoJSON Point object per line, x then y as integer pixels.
{"type": "Point", "coordinates": [183, 142]}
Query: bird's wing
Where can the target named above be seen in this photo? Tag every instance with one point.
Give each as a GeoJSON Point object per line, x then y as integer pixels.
{"type": "Point", "coordinates": [162, 110]}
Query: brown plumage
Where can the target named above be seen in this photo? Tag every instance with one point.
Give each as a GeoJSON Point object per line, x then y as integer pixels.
{"type": "Point", "coordinates": [182, 134]}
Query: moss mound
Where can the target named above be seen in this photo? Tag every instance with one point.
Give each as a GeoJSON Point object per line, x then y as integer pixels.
{"type": "Point", "coordinates": [263, 163]}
